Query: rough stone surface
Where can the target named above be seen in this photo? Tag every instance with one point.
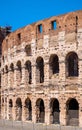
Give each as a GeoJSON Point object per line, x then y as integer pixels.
{"type": "Point", "coordinates": [36, 83]}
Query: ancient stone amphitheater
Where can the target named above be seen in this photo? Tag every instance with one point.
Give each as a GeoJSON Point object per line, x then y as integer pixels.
{"type": "Point", "coordinates": [41, 71]}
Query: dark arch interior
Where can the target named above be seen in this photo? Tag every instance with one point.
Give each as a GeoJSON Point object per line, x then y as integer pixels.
{"type": "Point", "coordinates": [40, 111]}
{"type": "Point", "coordinates": [29, 109]}
{"type": "Point", "coordinates": [41, 106]}
{"type": "Point", "coordinates": [72, 64]}
{"type": "Point", "coordinates": [56, 105]}
{"type": "Point", "coordinates": [40, 67]}
{"type": "Point", "coordinates": [29, 69]}
{"type": "Point", "coordinates": [28, 104]}
{"type": "Point", "coordinates": [19, 103]}
{"type": "Point", "coordinates": [12, 67]}
{"type": "Point", "coordinates": [18, 109]}
{"type": "Point", "coordinates": [54, 64]}
{"type": "Point", "coordinates": [73, 112]}
{"type": "Point", "coordinates": [19, 65]}
{"type": "Point", "coordinates": [55, 112]}
{"type": "Point", "coordinates": [10, 103]}
{"type": "Point", "coordinates": [73, 105]}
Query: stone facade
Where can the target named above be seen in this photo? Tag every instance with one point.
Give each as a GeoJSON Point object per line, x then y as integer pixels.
{"type": "Point", "coordinates": [41, 72]}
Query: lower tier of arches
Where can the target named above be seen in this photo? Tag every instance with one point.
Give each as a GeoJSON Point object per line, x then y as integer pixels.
{"type": "Point", "coordinates": [50, 111]}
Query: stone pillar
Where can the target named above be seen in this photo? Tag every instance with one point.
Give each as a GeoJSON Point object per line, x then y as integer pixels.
{"type": "Point", "coordinates": [34, 111]}
{"type": "Point", "coordinates": [7, 108]}
{"type": "Point", "coordinates": [4, 108]}
{"type": "Point", "coordinates": [47, 111]}
{"type": "Point", "coordinates": [23, 112]}
{"type": "Point", "coordinates": [61, 41]}
{"type": "Point", "coordinates": [14, 110]}
{"type": "Point", "coordinates": [80, 113]}
{"type": "Point", "coordinates": [80, 72]}
{"type": "Point", "coordinates": [2, 79]}
{"type": "Point", "coordinates": [15, 76]}
{"type": "Point", "coordinates": [33, 73]}
{"type": "Point", "coordinates": [79, 41]}
{"type": "Point", "coordinates": [37, 74]}
{"type": "Point", "coordinates": [46, 71]}
{"type": "Point", "coordinates": [23, 75]}
{"type": "Point", "coordinates": [62, 114]}
{"type": "Point", "coordinates": [33, 63]}
{"type": "Point", "coordinates": [62, 74]}
{"type": "Point", "coordinates": [9, 78]}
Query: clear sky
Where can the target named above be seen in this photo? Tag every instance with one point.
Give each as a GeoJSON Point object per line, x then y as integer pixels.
{"type": "Point", "coordinates": [19, 13]}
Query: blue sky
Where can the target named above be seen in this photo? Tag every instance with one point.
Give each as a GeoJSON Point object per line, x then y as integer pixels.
{"type": "Point", "coordinates": [19, 13]}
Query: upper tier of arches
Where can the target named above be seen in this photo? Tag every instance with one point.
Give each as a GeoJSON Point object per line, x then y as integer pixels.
{"type": "Point", "coordinates": [68, 22]}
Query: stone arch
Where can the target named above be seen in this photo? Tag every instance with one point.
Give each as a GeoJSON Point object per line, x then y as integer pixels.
{"type": "Point", "coordinates": [28, 72]}
{"type": "Point", "coordinates": [18, 109]}
{"type": "Point", "coordinates": [53, 65]}
{"type": "Point", "coordinates": [28, 109]}
{"type": "Point", "coordinates": [6, 69]}
{"type": "Point", "coordinates": [11, 75]}
{"type": "Point", "coordinates": [10, 109]}
{"type": "Point", "coordinates": [40, 111]}
{"type": "Point", "coordinates": [6, 72]}
{"type": "Point", "coordinates": [28, 50]}
{"type": "Point", "coordinates": [72, 64]}
{"type": "Point", "coordinates": [69, 16]}
{"type": "Point", "coordinates": [40, 70]}
{"type": "Point", "coordinates": [28, 28]}
{"type": "Point", "coordinates": [12, 67]}
{"type": "Point", "coordinates": [19, 72]}
{"type": "Point", "coordinates": [72, 112]}
{"type": "Point", "coordinates": [55, 111]}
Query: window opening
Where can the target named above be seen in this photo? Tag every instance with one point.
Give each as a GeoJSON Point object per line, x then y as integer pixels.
{"type": "Point", "coordinates": [54, 25]}
{"type": "Point", "coordinates": [72, 64]}
{"type": "Point", "coordinates": [19, 37]}
{"type": "Point", "coordinates": [28, 50]}
{"type": "Point", "coordinates": [40, 29]}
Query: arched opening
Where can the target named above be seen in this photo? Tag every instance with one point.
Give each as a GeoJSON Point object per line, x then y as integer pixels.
{"type": "Point", "coordinates": [55, 112]}
{"type": "Point", "coordinates": [72, 64]}
{"type": "Point", "coordinates": [40, 70]}
{"type": "Point", "coordinates": [28, 50]}
{"type": "Point", "coordinates": [72, 112]}
{"type": "Point", "coordinates": [28, 109]}
{"type": "Point", "coordinates": [19, 72]}
{"type": "Point", "coordinates": [40, 111]}
{"type": "Point", "coordinates": [10, 109]}
{"type": "Point", "coordinates": [11, 75]}
{"type": "Point", "coordinates": [53, 65]}
{"type": "Point", "coordinates": [28, 72]}
{"type": "Point", "coordinates": [18, 109]}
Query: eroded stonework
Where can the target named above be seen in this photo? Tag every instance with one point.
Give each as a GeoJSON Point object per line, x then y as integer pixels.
{"type": "Point", "coordinates": [41, 72]}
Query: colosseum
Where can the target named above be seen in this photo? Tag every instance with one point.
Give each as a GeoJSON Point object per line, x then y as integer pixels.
{"type": "Point", "coordinates": [41, 71]}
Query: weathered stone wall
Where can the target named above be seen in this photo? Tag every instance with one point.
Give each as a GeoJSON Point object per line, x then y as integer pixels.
{"type": "Point", "coordinates": [27, 74]}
